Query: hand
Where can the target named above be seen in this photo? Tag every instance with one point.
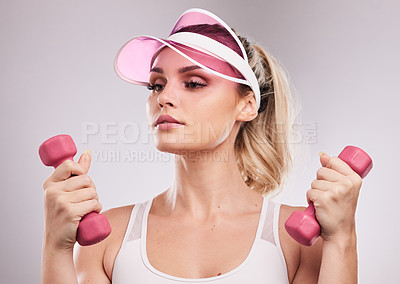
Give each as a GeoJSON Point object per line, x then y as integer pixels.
{"type": "Point", "coordinates": [335, 194]}
{"type": "Point", "coordinates": [67, 199]}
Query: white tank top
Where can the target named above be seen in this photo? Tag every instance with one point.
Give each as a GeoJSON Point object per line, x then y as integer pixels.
{"type": "Point", "coordinates": [265, 262]}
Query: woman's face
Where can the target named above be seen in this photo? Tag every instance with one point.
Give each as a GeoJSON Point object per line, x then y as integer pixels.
{"type": "Point", "coordinates": [206, 104]}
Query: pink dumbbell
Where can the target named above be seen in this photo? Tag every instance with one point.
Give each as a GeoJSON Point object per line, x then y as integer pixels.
{"type": "Point", "coordinates": [303, 226]}
{"type": "Point", "coordinates": [93, 227]}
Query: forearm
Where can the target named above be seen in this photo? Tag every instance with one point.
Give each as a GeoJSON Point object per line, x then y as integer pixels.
{"type": "Point", "coordinates": [58, 266]}
{"type": "Point", "coordinates": [339, 261]}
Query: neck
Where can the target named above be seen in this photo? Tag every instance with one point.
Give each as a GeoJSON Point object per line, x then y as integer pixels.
{"type": "Point", "coordinates": [208, 183]}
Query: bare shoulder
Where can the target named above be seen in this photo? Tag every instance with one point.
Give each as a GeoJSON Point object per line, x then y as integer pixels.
{"type": "Point", "coordinates": [95, 263]}
{"type": "Point", "coordinates": [303, 262]}
{"type": "Point", "coordinates": [118, 218]}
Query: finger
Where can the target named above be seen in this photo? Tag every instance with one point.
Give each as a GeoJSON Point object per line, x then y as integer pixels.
{"type": "Point", "coordinates": [82, 195]}
{"type": "Point", "coordinates": [314, 196]}
{"type": "Point", "coordinates": [65, 170]}
{"type": "Point", "coordinates": [322, 185]}
{"type": "Point", "coordinates": [78, 182]}
{"type": "Point", "coordinates": [324, 158]}
{"type": "Point", "coordinates": [337, 164]}
{"type": "Point", "coordinates": [85, 160]}
{"type": "Point", "coordinates": [85, 207]}
{"type": "Point", "coordinates": [327, 174]}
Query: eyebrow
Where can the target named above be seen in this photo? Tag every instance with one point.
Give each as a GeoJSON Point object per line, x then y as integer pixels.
{"type": "Point", "coordinates": [180, 70]}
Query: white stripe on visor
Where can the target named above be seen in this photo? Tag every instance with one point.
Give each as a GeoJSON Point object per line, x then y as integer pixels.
{"type": "Point", "coordinates": [192, 39]}
{"type": "Point", "coordinates": [223, 52]}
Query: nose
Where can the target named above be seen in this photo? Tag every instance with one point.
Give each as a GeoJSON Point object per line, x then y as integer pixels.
{"type": "Point", "coordinates": [167, 97]}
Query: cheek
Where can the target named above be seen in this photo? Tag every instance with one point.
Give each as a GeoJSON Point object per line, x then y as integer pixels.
{"type": "Point", "coordinates": [151, 107]}
{"type": "Point", "coordinates": [212, 119]}
{"type": "Point", "coordinates": [214, 131]}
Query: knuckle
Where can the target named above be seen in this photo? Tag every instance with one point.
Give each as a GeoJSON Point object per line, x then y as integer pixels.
{"type": "Point", "coordinates": [348, 183]}
{"type": "Point", "coordinates": [50, 194]}
{"type": "Point", "coordinates": [45, 184]}
{"type": "Point", "coordinates": [99, 206]}
{"type": "Point", "coordinates": [357, 180]}
{"type": "Point", "coordinates": [62, 207]}
{"type": "Point", "coordinates": [333, 196]}
{"type": "Point", "coordinates": [334, 159]}
{"type": "Point", "coordinates": [309, 193]}
{"type": "Point", "coordinates": [93, 203]}
{"type": "Point", "coordinates": [68, 210]}
{"type": "Point", "coordinates": [69, 166]}
{"type": "Point", "coordinates": [340, 191]}
{"type": "Point", "coordinates": [314, 184]}
{"type": "Point", "coordinates": [59, 201]}
{"type": "Point", "coordinates": [92, 192]}
{"type": "Point", "coordinates": [320, 172]}
{"type": "Point", "coordinates": [47, 195]}
{"type": "Point", "coordinates": [329, 163]}
{"type": "Point", "coordinates": [86, 179]}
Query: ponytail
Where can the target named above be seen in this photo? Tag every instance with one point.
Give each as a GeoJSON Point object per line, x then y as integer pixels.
{"type": "Point", "coordinates": [264, 147]}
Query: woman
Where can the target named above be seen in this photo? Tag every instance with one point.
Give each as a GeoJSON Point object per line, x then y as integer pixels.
{"type": "Point", "coordinates": [223, 106]}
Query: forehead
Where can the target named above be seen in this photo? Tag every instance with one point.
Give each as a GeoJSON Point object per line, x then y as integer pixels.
{"type": "Point", "coordinates": [169, 58]}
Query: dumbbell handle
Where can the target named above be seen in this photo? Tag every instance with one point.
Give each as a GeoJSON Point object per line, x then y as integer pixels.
{"type": "Point", "coordinates": [303, 226]}
{"type": "Point", "coordinates": [93, 227]}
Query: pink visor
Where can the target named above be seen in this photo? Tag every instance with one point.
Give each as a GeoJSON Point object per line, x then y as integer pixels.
{"type": "Point", "coordinates": [193, 38]}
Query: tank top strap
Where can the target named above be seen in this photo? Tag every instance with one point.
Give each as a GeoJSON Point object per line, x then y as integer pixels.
{"type": "Point", "coordinates": [268, 224]}
{"type": "Point", "coordinates": [270, 232]}
{"type": "Point", "coordinates": [134, 229]}
{"type": "Point", "coordinates": [261, 220]}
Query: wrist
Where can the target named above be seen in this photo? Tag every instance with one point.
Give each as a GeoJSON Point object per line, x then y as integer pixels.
{"type": "Point", "coordinates": [57, 265]}
{"type": "Point", "coordinates": [339, 262]}
{"type": "Point", "coordinates": [341, 241]}
{"type": "Point", "coordinates": [54, 248]}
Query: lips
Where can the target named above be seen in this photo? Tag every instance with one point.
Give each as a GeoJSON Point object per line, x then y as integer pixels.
{"type": "Point", "coordinates": [166, 118]}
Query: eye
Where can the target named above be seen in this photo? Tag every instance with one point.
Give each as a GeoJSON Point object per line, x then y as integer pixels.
{"type": "Point", "coordinates": [155, 87]}
{"type": "Point", "coordinates": [194, 84]}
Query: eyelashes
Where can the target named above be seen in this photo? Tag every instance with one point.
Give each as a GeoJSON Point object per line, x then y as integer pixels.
{"type": "Point", "coordinates": [194, 84]}
{"type": "Point", "coordinates": [155, 87]}
{"type": "Point", "coordinates": [188, 85]}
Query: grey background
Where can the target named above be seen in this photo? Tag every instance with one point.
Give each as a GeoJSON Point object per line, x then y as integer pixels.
{"type": "Point", "coordinates": [57, 76]}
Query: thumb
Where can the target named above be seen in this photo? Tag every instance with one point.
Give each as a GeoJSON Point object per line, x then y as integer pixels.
{"type": "Point", "coordinates": [324, 158]}
{"type": "Point", "coordinates": [85, 160]}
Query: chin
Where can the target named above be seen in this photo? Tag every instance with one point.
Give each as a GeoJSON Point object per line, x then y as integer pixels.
{"type": "Point", "coordinates": [181, 141]}
{"type": "Point", "coordinates": [182, 147]}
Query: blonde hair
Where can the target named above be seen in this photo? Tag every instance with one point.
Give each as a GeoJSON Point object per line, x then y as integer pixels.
{"type": "Point", "coordinates": [264, 146]}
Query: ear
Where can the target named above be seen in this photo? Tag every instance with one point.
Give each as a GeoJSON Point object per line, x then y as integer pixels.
{"type": "Point", "coordinates": [247, 107]}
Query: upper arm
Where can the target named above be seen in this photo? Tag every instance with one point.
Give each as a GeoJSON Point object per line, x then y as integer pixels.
{"type": "Point", "coordinates": [94, 264]}
{"type": "Point", "coordinates": [303, 263]}
{"type": "Point", "coordinates": [88, 262]}
{"type": "Point", "coordinates": [310, 263]}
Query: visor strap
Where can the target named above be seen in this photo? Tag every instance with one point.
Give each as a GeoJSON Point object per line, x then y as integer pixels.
{"type": "Point", "coordinates": [220, 51]}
